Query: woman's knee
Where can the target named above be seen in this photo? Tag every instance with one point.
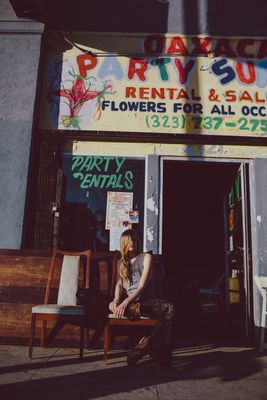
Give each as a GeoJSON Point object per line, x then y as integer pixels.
{"type": "Point", "coordinates": [169, 310]}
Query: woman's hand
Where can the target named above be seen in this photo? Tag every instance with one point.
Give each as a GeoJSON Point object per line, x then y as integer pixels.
{"type": "Point", "coordinates": [120, 309]}
{"type": "Point", "coordinates": [113, 306]}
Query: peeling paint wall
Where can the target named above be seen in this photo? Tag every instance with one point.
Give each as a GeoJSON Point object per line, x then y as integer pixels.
{"type": "Point", "coordinates": [152, 205]}
{"type": "Point", "coordinates": [259, 233]}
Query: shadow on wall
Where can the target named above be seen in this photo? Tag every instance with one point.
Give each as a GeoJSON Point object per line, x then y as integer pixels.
{"type": "Point", "coordinates": [97, 16]}
{"type": "Point", "coordinates": [225, 17]}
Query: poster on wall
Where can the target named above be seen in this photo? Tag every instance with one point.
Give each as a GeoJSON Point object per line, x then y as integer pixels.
{"type": "Point", "coordinates": [165, 83]}
{"type": "Point", "coordinates": [119, 204]}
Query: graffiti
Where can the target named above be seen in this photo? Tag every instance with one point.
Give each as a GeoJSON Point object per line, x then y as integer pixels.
{"type": "Point", "coordinates": [78, 90]}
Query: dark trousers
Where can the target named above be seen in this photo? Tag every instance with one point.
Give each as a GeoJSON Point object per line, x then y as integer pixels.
{"type": "Point", "coordinates": [164, 312]}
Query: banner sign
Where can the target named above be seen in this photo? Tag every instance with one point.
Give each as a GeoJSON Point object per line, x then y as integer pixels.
{"type": "Point", "coordinates": [156, 83]}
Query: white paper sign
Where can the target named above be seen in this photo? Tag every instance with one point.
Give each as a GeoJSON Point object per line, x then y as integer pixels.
{"type": "Point", "coordinates": [118, 206]}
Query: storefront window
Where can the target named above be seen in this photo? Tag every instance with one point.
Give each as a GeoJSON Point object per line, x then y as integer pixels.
{"type": "Point", "coordinates": [86, 181]}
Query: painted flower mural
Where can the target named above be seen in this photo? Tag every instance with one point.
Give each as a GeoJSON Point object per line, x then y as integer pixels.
{"type": "Point", "coordinates": [76, 91]}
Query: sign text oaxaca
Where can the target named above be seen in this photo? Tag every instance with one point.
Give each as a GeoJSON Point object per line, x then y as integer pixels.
{"type": "Point", "coordinates": [166, 84]}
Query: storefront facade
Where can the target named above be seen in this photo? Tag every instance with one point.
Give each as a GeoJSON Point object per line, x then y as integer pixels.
{"type": "Point", "coordinates": [164, 134]}
{"type": "Point", "coordinates": [161, 132]}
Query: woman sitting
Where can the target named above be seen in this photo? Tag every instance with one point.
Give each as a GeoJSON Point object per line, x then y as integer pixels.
{"type": "Point", "coordinates": [135, 289]}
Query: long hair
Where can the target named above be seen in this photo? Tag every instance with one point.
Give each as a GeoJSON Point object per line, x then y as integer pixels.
{"type": "Point", "coordinates": [125, 265]}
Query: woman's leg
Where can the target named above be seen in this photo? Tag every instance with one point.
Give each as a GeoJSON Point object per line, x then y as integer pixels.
{"type": "Point", "coordinates": [161, 340]}
{"type": "Point", "coordinates": [159, 344]}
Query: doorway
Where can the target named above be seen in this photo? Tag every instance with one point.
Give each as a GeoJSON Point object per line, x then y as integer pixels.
{"type": "Point", "coordinates": [195, 244]}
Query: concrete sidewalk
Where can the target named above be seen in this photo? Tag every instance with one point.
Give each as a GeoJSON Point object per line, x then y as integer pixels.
{"type": "Point", "coordinates": [199, 372]}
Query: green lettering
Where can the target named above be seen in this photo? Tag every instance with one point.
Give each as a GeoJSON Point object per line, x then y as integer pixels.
{"type": "Point", "coordinates": [118, 183]}
{"type": "Point", "coordinates": [97, 161]}
{"type": "Point", "coordinates": [112, 181]}
{"type": "Point", "coordinates": [128, 180]}
{"type": "Point", "coordinates": [86, 181]}
{"type": "Point", "coordinates": [95, 180]}
{"type": "Point", "coordinates": [237, 188]}
{"type": "Point", "coordinates": [87, 162]}
{"type": "Point", "coordinates": [160, 62]}
{"type": "Point", "coordinates": [78, 175]}
{"type": "Point", "coordinates": [119, 163]}
{"type": "Point", "coordinates": [231, 197]}
{"type": "Point", "coordinates": [107, 159]}
{"type": "Point", "coordinates": [76, 161]}
{"type": "Point", "coordinates": [104, 179]}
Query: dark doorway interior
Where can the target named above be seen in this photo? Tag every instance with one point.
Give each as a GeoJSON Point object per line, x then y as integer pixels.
{"type": "Point", "coordinates": [194, 240]}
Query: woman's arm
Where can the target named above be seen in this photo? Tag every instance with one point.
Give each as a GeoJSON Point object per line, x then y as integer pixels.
{"type": "Point", "coordinates": [145, 277]}
{"type": "Point", "coordinates": [118, 290]}
{"type": "Point", "coordinates": [117, 295]}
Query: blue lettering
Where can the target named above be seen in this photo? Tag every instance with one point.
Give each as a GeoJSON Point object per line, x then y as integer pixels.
{"type": "Point", "coordinates": [220, 68]}
{"type": "Point", "coordinates": [261, 69]}
{"type": "Point", "coordinates": [110, 67]}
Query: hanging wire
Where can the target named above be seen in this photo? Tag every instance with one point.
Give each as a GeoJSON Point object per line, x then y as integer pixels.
{"type": "Point", "coordinates": [131, 55]}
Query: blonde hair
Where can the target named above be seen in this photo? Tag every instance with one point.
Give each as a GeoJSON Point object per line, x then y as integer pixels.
{"type": "Point", "coordinates": [125, 265]}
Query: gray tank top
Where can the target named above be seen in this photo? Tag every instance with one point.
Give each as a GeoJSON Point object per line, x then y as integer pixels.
{"type": "Point", "coordinates": [137, 270]}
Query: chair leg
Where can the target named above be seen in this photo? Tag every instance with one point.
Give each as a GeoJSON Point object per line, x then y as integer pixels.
{"type": "Point", "coordinates": [32, 333]}
{"type": "Point", "coordinates": [87, 338]}
{"type": "Point", "coordinates": [82, 328]}
{"type": "Point", "coordinates": [43, 330]}
{"type": "Point", "coordinates": [106, 342]}
{"type": "Point", "coordinates": [262, 335]}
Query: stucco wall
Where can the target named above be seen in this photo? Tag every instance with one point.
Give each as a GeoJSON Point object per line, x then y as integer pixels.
{"type": "Point", "coordinates": [20, 52]}
{"type": "Point", "coordinates": [6, 11]}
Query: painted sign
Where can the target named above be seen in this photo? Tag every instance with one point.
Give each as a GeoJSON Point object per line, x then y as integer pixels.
{"type": "Point", "coordinates": [166, 84]}
{"type": "Point", "coordinates": [101, 172]}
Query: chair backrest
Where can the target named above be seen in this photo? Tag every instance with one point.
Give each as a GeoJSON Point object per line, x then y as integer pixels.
{"type": "Point", "coordinates": [218, 281]}
{"type": "Point", "coordinates": [104, 271]}
{"type": "Point", "coordinates": [68, 284]}
{"type": "Point", "coordinates": [71, 263]}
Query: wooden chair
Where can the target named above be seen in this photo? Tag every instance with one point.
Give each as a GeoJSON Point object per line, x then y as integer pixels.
{"type": "Point", "coordinates": [122, 322]}
{"type": "Point", "coordinates": [66, 309]}
{"type": "Point", "coordinates": [261, 283]}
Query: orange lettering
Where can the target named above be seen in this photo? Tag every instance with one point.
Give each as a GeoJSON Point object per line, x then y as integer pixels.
{"type": "Point", "coordinates": [241, 47]}
{"type": "Point", "coordinates": [137, 67]}
{"type": "Point", "coordinates": [201, 47]}
{"type": "Point", "coordinates": [83, 65]}
{"type": "Point", "coordinates": [245, 96]}
{"type": "Point", "coordinates": [177, 46]}
{"type": "Point", "coordinates": [144, 93]}
{"type": "Point", "coordinates": [223, 48]}
{"type": "Point", "coordinates": [182, 94]}
{"type": "Point", "coordinates": [130, 92]}
{"type": "Point", "coordinates": [157, 93]}
{"type": "Point", "coordinates": [257, 99]}
{"type": "Point", "coordinates": [251, 70]}
{"type": "Point", "coordinates": [230, 95]}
